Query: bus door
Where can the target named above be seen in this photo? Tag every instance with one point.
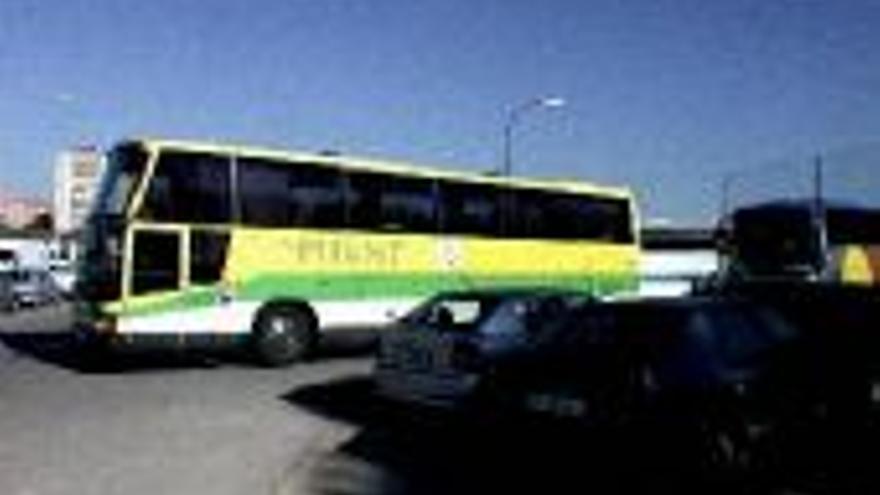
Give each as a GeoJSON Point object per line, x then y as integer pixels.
{"type": "Point", "coordinates": [171, 258]}
{"type": "Point", "coordinates": [156, 260]}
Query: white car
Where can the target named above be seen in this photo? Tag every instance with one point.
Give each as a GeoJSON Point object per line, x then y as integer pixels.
{"type": "Point", "coordinates": [33, 288]}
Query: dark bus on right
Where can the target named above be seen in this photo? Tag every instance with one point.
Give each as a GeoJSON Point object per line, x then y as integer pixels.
{"type": "Point", "coordinates": [806, 240]}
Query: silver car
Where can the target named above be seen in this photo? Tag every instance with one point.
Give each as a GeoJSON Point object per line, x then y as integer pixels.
{"type": "Point", "coordinates": [33, 288]}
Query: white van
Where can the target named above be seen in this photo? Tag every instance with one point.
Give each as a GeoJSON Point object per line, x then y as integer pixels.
{"type": "Point", "coordinates": [8, 260]}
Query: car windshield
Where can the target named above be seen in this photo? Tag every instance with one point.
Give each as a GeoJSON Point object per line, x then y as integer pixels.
{"type": "Point", "coordinates": [491, 314]}
{"type": "Point", "coordinates": [510, 317]}
{"type": "Point", "coordinates": [530, 314]}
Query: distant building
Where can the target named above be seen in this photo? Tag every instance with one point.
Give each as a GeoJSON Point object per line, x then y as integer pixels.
{"type": "Point", "coordinates": [77, 173]}
{"type": "Point", "coordinates": [674, 259]}
{"type": "Point", "coordinates": [19, 211]}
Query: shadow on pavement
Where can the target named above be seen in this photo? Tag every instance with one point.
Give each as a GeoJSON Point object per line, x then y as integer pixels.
{"type": "Point", "coordinates": [398, 449]}
{"type": "Point", "coordinates": [61, 348]}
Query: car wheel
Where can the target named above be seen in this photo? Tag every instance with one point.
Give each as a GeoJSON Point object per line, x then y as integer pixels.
{"type": "Point", "coordinates": [724, 445]}
{"type": "Point", "coordinates": [283, 335]}
{"type": "Point", "coordinates": [735, 445]}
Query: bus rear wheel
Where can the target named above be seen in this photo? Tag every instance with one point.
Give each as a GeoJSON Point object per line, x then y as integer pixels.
{"type": "Point", "coordinates": [283, 335]}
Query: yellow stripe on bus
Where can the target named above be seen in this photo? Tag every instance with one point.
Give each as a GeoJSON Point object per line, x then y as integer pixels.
{"type": "Point", "coordinates": [301, 251]}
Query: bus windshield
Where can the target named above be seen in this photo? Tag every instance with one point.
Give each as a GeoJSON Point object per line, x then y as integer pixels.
{"type": "Point", "coordinates": [776, 240]}
{"type": "Point", "coordinates": [101, 271]}
{"type": "Point", "coordinates": [125, 169]}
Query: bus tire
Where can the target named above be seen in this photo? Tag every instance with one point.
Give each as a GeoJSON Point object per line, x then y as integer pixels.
{"type": "Point", "coordinates": [284, 334]}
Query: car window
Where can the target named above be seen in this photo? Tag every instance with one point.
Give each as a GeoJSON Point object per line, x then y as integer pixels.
{"type": "Point", "coordinates": [533, 315]}
{"type": "Point", "coordinates": [458, 313]}
{"type": "Point", "coordinates": [510, 318]}
{"type": "Point", "coordinates": [461, 312]}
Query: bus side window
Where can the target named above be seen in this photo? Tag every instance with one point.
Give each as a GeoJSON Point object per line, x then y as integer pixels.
{"type": "Point", "coordinates": [156, 262]}
{"type": "Point", "coordinates": [189, 188]}
{"type": "Point", "coordinates": [527, 215]}
{"type": "Point", "coordinates": [470, 209]}
{"type": "Point", "coordinates": [606, 219]}
{"type": "Point", "coordinates": [207, 256]}
{"type": "Point", "coordinates": [263, 188]}
{"type": "Point", "coordinates": [315, 196]}
{"type": "Point", "coordinates": [158, 203]}
{"type": "Point", "coordinates": [364, 201]}
{"type": "Point", "coordinates": [409, 204]}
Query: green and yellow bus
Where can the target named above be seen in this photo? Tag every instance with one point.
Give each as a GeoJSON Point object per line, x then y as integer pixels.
{"type": "Point", "coordinates": [196, 243]}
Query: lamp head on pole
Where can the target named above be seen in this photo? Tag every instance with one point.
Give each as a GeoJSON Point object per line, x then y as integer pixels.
{"type": "Point", "coordinates": [551, 102]}
{"type": "Point", "coordinates": [513, 115]}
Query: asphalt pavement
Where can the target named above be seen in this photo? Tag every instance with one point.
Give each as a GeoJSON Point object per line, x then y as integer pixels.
{"type": "Point", "coordinates": [191, 424]}
{"type": "Point", "coordinates": [154, 425]}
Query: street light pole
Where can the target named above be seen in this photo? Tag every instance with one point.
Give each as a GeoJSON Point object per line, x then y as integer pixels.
{"type": "Point", "coordinates": [513, 116]}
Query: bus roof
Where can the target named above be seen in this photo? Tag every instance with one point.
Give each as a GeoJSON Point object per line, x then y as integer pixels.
{"type": "Point", "coordinates": [380, 165]}
{"type": "Point", "coordinates": [804, 204]}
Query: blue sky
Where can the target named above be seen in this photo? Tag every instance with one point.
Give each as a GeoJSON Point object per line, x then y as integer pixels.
{"type": "Point", "coordinates": [664, 95]}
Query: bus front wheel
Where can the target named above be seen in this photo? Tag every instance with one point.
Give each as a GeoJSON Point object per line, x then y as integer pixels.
{"type": "Point", "coordinates": [283, 335]}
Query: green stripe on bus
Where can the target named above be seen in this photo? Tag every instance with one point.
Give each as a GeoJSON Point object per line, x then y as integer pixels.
{"type": "Point", "coordinates": [177, 300]}
{"type": "Point", "coordinates": [368, 286]}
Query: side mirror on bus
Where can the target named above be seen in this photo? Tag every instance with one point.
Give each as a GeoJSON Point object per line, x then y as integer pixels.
{"type": "Point", "coordinates": [723, 239]}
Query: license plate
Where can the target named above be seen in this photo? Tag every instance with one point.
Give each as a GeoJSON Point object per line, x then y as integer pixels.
{"type": "Point", "coordinates": [415, 357]}
{"type": "Point", "coordinates": [423, 354]}
{"type": "Point", "coordinates": [556, 404]}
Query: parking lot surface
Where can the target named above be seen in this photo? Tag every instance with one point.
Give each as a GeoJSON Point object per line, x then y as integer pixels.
{"type": "Point", "coordinates": [188, 424]}
{"type": "Point", "coordinates": [152, 425]}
